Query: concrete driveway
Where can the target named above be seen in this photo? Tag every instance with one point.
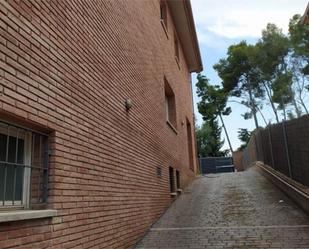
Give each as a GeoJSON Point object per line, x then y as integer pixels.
{"type": "Point", "coordinates": [231, 210]}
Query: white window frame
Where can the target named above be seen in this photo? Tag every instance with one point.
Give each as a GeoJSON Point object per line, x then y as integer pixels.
{"type": "Point", "coordinates": [167, 107]}
{"type": "Point", "coordinates": [12, 131]}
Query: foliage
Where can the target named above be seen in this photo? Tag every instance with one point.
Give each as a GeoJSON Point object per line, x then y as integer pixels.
{"type": "Point", "coordinates": [273, 72]}
{"type": "Point", "coordinates": [271, 51]}
{"type": "Point", "coordinates": [213, 102]}
{"type": "Point", "coordinates": [299, 38]}
{"type": "Point", "coordinates": [244, 136]}
{"type": "Point", "coordinates": [208, 139]}
{"type": "Point", "coordinates": [281, 89]}
{"type": "Point", "coordinates": [236, 70]}
{"type": "Point", "coordinates": [213, 99]}
{"type": "Point", "coordinates": [299, 41]}
{"type": "Point", "coordinates": [240, 76]}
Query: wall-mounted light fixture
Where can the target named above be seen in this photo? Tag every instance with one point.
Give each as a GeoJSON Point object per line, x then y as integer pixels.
{"type": "Point", "coordinates": [128, 104]}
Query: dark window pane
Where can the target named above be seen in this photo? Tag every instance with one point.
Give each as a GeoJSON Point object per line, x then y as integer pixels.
{"type": "Point", "coordinates": [2, 173]}
{"type": "Point", "coordinates": [12, 149]}
{"type": "Point", "coordinates": [37, 150]}
{"type": "Point", "coordinates": [172, 181]}
{"type": "Point", "coordinates": [12, 165]}
{"type": "Point", "coordinates": [20, 153]}
{"type": "Point", "coordinates": [3, 141]}
{"type": "Point", "coordinates": [19, 182]}
{"type": "Point", "coordinates": [11, 175]}
{"type": "Point", "coordinates": [189, 144]}
{"type": "Point", "coordinates": [9, 183]}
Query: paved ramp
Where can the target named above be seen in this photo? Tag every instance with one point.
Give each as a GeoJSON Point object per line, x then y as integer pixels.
{"type": "Point", "coordinates": [231, 210]}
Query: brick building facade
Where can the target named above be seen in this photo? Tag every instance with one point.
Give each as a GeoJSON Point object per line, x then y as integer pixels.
{"type": "Point", "coordinates": [96, 119]}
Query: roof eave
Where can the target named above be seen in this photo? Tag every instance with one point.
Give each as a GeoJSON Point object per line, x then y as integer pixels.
{"type": "Point", "coordinates": [184, 24]}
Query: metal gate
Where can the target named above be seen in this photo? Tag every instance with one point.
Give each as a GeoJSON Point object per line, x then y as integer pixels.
{"type": "Point", "coordinates": [216, 165]}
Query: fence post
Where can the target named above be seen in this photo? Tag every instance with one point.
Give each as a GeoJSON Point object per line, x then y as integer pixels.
{"type": "Point", "coordinates": [262, 146]}
{"type": "Point", "coordinates": [258, 143]}
{"type": "Point", "coordinates": [287, 148]}
{"type": "Point", "coordinates": [271, 147]}
{"type": "Point", "coordinates": [256, 146]}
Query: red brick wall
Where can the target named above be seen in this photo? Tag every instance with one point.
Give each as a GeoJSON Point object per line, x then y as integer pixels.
{"type": "Point", "coordinates": [69, 66]}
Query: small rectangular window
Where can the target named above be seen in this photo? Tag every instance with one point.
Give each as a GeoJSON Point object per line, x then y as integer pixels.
{"type": "Point", "coordinates": [177, 179]}
{"type": "Point", "coordinates": [189, 145]}
{"type": "Point", "coordinates": [23, 167]}
{"type": "Point", "coordinates": [176, 47]}
{"type": "Point", "coordinates": [170, 105]}
{"type": "Point", "coordinates": [163, 13]}
{"type": "Point", "coordinates": [171, 179]}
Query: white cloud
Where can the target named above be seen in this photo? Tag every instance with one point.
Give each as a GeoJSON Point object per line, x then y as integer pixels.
{"type": "Point", "coordinates": [211, 39]}
{"type": "Point", "coordinates": [242, 18]}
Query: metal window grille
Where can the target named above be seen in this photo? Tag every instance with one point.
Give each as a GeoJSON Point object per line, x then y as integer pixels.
{"type": "Point", "coordinates": [176, 46]}
{"type": "Point", "coordinates": [23, 167]}
{"type": "Point", "coordinates": [178, 179]}
{"type": "Point", "coordinates": [163, 13]}
{"type": "Point", "coordinates": [190, 146]}
{"type": "Point", "coordinates": [170, 104]}
{"type": "Point", "coordinates": [172, 180]}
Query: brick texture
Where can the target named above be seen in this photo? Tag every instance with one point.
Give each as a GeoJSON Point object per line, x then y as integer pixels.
{"type": "Point", "coordinates": [231, 211]}
{"type": "Point", "coordinates": [67, 67]}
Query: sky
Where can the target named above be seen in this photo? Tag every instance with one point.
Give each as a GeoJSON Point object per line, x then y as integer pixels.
{"type": "Point", "coordinates": [221, 23]}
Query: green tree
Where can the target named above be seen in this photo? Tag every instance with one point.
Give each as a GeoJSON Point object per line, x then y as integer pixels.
{"type": "Point", "coordinates": [213, 102]}
{"type": "Point", "coordinates": [208, 138]}
{"type": "Point", "coordinates": [240, 76]}
{"type": "Point", "coordinates": [300, 81]}
{"type": "Point", "coordinates": [299, 40]}
{"type": "Point", "coordinates": [244, 136]}
{"type": "Point", "coordinates": [282, 91]}
{"type": "Point", "coordinates": [299, 37]}
{"type": "Point", "coordinates": [270, 52]}
{"type": "Point", "coordinates": [273, 60]}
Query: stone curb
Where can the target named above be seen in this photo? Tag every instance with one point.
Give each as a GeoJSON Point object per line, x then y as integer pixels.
{"type": "Point", "coordinates": [296, 194]}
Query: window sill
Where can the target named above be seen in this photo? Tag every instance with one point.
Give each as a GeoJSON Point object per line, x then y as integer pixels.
{"type": "Point", "coordinates": [164, 27]}
{"type": "Point", "coordinates": [16, 215]}
{"type": "Point", "coordinates": [171, 126]}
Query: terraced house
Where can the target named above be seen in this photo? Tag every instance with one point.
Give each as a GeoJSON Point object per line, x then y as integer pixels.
{"type": "Point", "coordinates": [96, 119]}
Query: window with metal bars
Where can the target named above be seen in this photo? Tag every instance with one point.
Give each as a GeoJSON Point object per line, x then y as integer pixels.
{"type": "Point", "coordinates": [177, 179]}
{"type": "Point", "coordinates": [189, 144]}
{"type": "Point", "coordinates": [170, 105]}
{"type": "Point", "coordinates": [23, 167]}
{"type": "Point", "coordinates": [163, 13]}
{"type": "Point", "coordinates": [176, 47]}
{"type": "Point", "coordinates": [172, 179]}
